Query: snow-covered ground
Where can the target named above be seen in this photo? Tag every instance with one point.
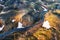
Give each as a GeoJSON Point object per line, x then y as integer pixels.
{"type": "Point", "coordinates": [2, 12]}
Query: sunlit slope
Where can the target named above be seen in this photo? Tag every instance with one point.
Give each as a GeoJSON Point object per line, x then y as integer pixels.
{"type": "Point", "coordinates": [47, 34]}
{"type": "Point", "coordinates": [53, 19]}
{"type": "Point", "coordinates": [43, 34]}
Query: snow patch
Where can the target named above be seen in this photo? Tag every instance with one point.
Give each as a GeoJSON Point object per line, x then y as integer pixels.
{"type": "Point", "coordinates": [44, 9]}
{"type": "Point", "coordinates": [13, 20]}
{"type": "Point", "coordinates": [46, 25]}
{"type": "Point", "coordinates": [1, 28]}
{"type": "Point", "coordinates": [20, 25]}
{"type": "Point", "coordinates": [2, 12]}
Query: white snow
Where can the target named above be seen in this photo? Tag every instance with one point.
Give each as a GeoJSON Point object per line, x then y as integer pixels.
{"type": "Point", "coordinates": [46, 25]}
{"type": "Point", "coordinates": [13, 20]}
{"type": "Point", "coordinates": [44, 9]}
{"type": "Point", "coordinates": [2, 12]}
{"type": "Point", "coordinates": [20, 25]}
{"type": "Point", "coordinates": [1, 28]}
